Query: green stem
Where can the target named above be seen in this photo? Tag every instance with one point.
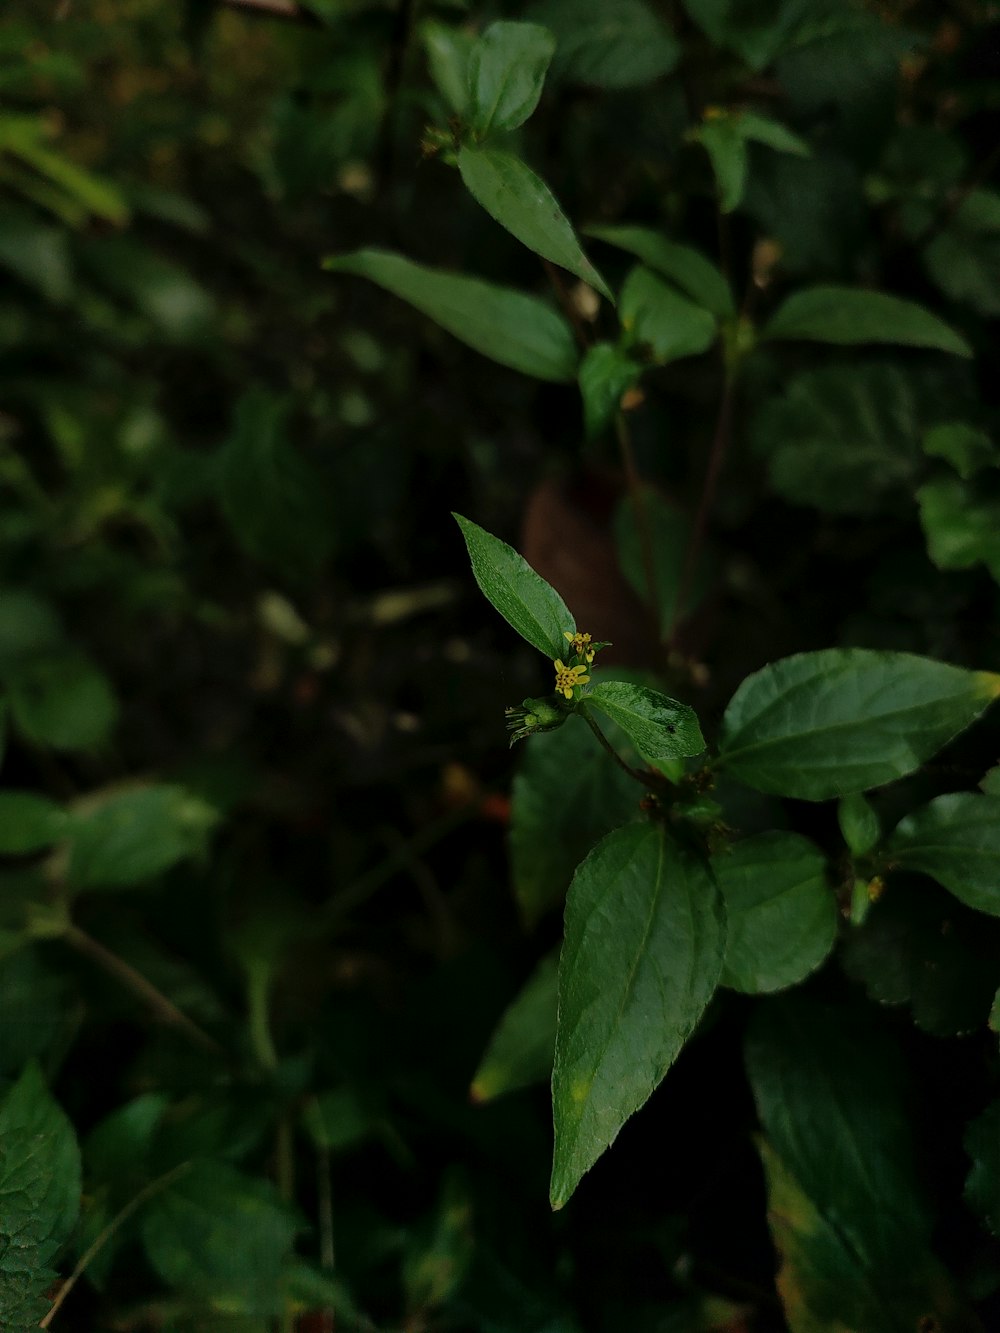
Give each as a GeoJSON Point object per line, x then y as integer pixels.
{"type": "Point", "coordinates": [360, 890]}
{"type": "Point", "coordinates": [642, 524]}
{"type": "Point", "coordinates": [163, 1007]}
{"type": "Point", "coordinates": [648, 779]}
{"type": "Point", "coordinates": [103, 1236]}
{"type": "Point", "coordinates": [716, 457]}
{"type": "Point", "coordinates": [259, 977]}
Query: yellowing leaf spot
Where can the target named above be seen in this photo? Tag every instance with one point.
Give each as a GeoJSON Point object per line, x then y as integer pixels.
{"type": "Point", "coordinates": [580, 1090]}
{"type": "Point", "coordinates": [990, 683]}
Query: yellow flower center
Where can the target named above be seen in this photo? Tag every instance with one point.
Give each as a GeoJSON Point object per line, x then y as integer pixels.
{"type": "Point", "coordinates": [568, 678]}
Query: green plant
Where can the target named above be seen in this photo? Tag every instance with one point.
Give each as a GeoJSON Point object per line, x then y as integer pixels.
{"type": "Point", "coordinates": [699, 299]}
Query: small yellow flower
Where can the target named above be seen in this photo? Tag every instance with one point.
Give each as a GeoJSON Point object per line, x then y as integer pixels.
{"type": "Point", "coordinates": [578, 642]}
{"type": "Point", "coordinates": [568, 678]}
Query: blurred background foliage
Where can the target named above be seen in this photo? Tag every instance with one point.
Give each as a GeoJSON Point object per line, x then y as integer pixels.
{"type": "Point", "coordinates": [254, 703]}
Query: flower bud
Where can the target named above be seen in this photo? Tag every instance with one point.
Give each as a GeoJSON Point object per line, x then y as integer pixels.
{"type": "Point", "coordinates": [534, 715]}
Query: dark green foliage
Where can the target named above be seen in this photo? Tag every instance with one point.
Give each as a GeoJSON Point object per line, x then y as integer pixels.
{"type": "Point", "coordinates": [693, 306]}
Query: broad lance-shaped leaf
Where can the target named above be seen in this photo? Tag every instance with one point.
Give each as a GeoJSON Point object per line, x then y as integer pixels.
{"type": "Point", "coordinates": [982, 1189]}
{"type": "Point", "coordinates": [850, 315]}
{"type": "Point", "coordinates": [507, 68]}
{"type": "Point", "coordinates": [956, 840]}
{"type": "Point", "coordinates": [654, 314]}
{"type": "Point", "coordinates": [520, 1050]}
{"type": "Point", "coordinates": [521, 201]}
{"type": "Point", "coordinates": [645, 935]}
{"type": "Point", "coordinates": [510, 327]}
{"type": "Point", "coordinates": [781, 913]}
{"type": "Point", "coordinates": [687, 269]}
{"type": "Point", "coordinates": [819, 725]}
{"type": "Point", "coordinates": [566, 796]}
{"type": "Point", "coordinates": [659, 727]}
{"type": "Point", "coordinates": [523, 598]}
{"type": "Point", "coordinates": [849, 1220]}
{"type": "Point", "coordinates": [39, 1197]}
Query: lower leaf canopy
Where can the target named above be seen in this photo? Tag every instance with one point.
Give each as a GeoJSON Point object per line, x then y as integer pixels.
{"type": "Point", "coordinates": [847, 1213]}
{"type": "Point", "coordinates": [645, 938]}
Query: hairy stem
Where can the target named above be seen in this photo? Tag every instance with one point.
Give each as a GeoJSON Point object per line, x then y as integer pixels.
{"type": "Point", "coordinates": [716, 457]}
{"type": "Point", "coordinates": [161, 1005]}
{"type": "Point", "coordinates": [103, 1236]}
{"type": "Point", "coordinates": [641, 511]}
{"type": "Point", "coordinates": [647, 779]}
{"type": "Point", "coordinates": [259, 977]}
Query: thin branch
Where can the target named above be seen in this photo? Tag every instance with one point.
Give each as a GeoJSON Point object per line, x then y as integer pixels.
{"type": "Point", "coordinates": [161, 1005]}
{"type": "Point", "coordinates": [642, 522]}
{"type": "Point", "coordinates": [647, 779]}
{"type": "Point", "coordinates": [716, 457]}
{"type": "Point", "coordinates": [103, 1236]}
{"type": "Point", "coordinates": [357, 893]}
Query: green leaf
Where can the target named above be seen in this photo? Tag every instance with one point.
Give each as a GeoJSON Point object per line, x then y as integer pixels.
{"type": "Point", "coordinates": [659, 727]}
{"type": "Point", "coordinates": [448, 51]}
{"type": "Point", "coordinates": [843, 439]}
{"type": "Point", "coordinates": [511, 586]}
{"type": "Point", "coordinates": [956, 840]}
{"type": "Point", "coordinates": [507, 68]}
{"type": "Point", "coordinates": [521, 1049]}
{"type": "Point", "coordinates": [962, 529]}
{"type": "Point", "coordinates": [566, 796]}
{"type": "Point", "coordinates": [28, 822]}
{"type": "Point", "coordinates": [28, 628]}
{"type": "Point", "coordinates": [968, 449]}
{"type": "Point", "coordinates": [849, 316]}
{"type": "Point", "coordinates": [521, 202]}
{"type": "Point", "coordinates": [133, 836]}
{"type": "Point", "coordinates": [990, 782]}
{"type": "Point", "coordinates": [670, 538]}
{"type": "Point", "coordinates": [645, 934]}
{"type": "Point", "coordinates": [964, 258]}
{"type": "Point", "coordinates": [848, 439]}
{"type": "Point", "coordinates": [687, 269]}
{"type": "Point", "coordinates": [221, 1236]}
{"type": "Point", "coordinates": [919, 947]}
{"type": "Point", "coordinates": [274, 500]}
{"type": "Point", "coordinates": [608, 43]}
{"type": "Point", "coordinates": [858, 823]}
{"type": "Point", "coordinates": [606, 372]}
{"type": "Point", "coordinates": [825, 724]}
{"type": "Point", "coordinates": [781, 914]}
{"type": "Point", "coordinates": [39, 1197]}
{"type": "Point", "coordinates": [510, 327]}
{"type": "Point", "coordinates": [982, 1143]}
{"type": "Point", "coordinates": [62, 700]}
{"type": "Point", "coordinates": [850, 1223]}
{"type": "Point", "coordinates": [655, 315]}
{"type": "Point", "coordinates": [771, 133]}
{"type": "Point", "coordinates": [727, 152]}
